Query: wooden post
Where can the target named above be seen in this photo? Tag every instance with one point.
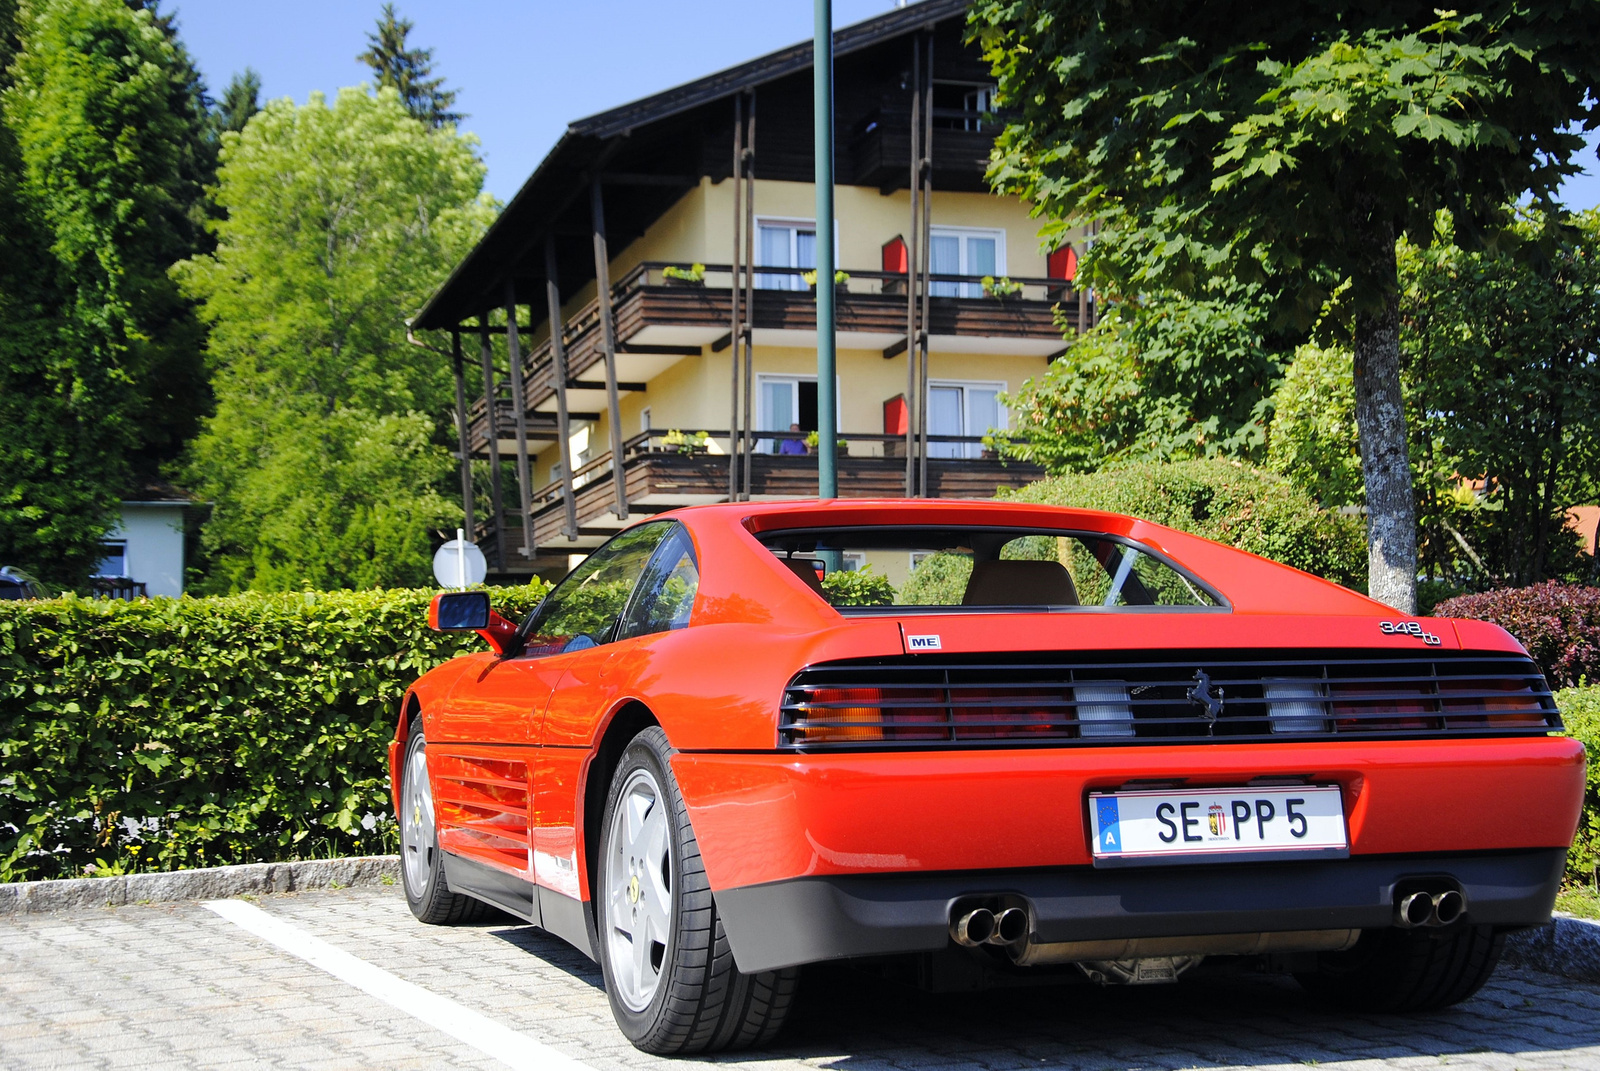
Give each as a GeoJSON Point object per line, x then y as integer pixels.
{"type": "Point", "coordinates": [925, 241]}
{"type": "Point", "coordinates": [490, 406]}
{"type": "Point", "coordinates": [608, 336]}
{"type": "Point", "coordinates": [913, 400]}
{"type": "Point", "coordinates": [558, 373]}
{"type": "Point", "coordinates": [519, 402]}
{"type": "Point", "coordinates": [748, 328]}
{"type": "Point", "coordinates": [463, 434]}
{"type": "Point", "coordinates": [734, 293]}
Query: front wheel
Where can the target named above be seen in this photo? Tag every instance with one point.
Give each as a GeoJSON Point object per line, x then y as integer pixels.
{"type": "Point", "coordinates": [421, 861]}
{"type": "Point", "coordinates": [669, 972]}
{"type": "Point", "coordinates": [1397, 970]}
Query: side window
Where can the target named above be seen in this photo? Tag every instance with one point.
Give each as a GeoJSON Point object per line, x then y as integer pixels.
{"type": "Point", "coordinates": [665, 596]}
{"type": "Point", "coordinates": [583, 609]}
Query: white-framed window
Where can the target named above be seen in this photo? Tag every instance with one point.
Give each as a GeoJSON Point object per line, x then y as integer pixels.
{"type": "Point", "coordinates": [113, 558]}
{"type": "Point", "coordinates": [918, 557]}
{"type": "Point", "coordinates": [852, 561]}
{"type": "Point", "coordinates": [788, 403]}
{"type": "Point", "coordinates": [958, 407]}
{"type": "Point", "coordinates": [644, 419]}
{"type": "Point", "coordinates": [971, 98]}
{"type": "Point", "coordinates": [965, 251]}
{"type": "Point", "coordinates": [785, 243]}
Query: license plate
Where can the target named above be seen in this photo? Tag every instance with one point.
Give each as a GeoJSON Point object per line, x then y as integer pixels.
{"type": "Point", "coordinates": [1212, 824]}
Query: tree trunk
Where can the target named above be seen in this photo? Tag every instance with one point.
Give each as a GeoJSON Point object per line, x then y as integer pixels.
{"type": "Point", "coordinates": [1385, 455]}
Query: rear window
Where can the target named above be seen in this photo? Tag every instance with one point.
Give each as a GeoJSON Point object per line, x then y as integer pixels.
{"type": "Point", "coordinates": [860, 570]}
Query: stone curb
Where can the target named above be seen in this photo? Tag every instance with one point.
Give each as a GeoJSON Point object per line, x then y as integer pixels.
{"type": "Point", "coordinates": [212, 883]}
{"type": "Point", "coordinates": [1564, 945]}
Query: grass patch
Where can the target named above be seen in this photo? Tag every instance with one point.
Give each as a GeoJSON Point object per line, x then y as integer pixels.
{"type": "Point", "coordinates": [1579, 900]}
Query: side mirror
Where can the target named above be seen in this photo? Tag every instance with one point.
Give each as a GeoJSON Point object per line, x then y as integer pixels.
{"type": "Point", "coordinates": [459, 611]}
{"type": "Point", "coordinates": [469, 611]}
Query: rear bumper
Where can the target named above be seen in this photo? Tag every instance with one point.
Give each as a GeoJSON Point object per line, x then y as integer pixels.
{"type": "Point", "coordinates": [808, 920]}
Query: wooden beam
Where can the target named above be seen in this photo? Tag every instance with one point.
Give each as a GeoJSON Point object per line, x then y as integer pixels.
{"type": "Point", "coordinates": [496, 502]}
{"type": "Point", "coordinates": [493, 329]}
{"type": "Point", "coordinates": [558, 368]}
{"type": "Point", "coordinates": [464, 434]}
{"type": "Point", "coordinates": [608, 333]}
{"type": "Point", "coordinates": [665, 351]}
{"type": "Point", "coordinates": [895, 350]}
{"type": "Point", "coordinates": [519, 405]}
{"type": "Point", "coordinates": [585, 384]}
{"type": "Point", "coordinates": [639, 178]}
{"type": "Point", "coordinates": [721, 344]}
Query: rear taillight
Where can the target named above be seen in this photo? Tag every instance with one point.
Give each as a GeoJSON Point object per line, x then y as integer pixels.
{"type": "Point", "coordinates": [1498, 703]}
{"type": "Point", "coordinates": [1295, 705]}
{"type": "Point", "coordinates": [844, 715]}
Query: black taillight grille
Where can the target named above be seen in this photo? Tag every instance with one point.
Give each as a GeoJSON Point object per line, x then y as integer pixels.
{"type": "Point", "coordinates": [934, 701]}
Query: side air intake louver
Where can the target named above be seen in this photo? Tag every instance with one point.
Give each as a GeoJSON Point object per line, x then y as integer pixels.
{"type": "Point", "coordinates": [968, 701]}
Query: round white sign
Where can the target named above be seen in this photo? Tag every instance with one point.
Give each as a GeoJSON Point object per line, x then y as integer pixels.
{"type": "Point", "coordinates": [459, 564]}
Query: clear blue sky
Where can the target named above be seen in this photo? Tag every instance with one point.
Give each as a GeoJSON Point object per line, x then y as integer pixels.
{"type": "Point", "coordinates": [526, 68]}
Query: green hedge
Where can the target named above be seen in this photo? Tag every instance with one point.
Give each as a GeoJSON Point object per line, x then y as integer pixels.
{"type": "Point", "coordinates": [171, 733]}
{"type": "Point", "coordinates": [1580, 709]}
{"type": "Point", "coordinates": [1236, 504]}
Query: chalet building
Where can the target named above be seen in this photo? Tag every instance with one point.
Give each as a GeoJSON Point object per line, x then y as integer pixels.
{"type": "Point", "coordinates": [669, 242]}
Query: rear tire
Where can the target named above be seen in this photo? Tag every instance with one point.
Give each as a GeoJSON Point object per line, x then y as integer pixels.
{"type": "Point", "coordinates": [421, 860]}
{"type": "Point", "coordinates": [669, 972]}
{"type": "Point", "coordinates": [1396, 970]}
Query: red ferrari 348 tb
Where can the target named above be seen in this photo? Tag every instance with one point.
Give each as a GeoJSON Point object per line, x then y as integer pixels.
{"type": "Point", "coordinates": [965, 743]}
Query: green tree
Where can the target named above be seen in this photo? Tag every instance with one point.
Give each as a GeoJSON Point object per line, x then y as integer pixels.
{"type": "Point", "coordinates": [239, 102]}
{"type": "Point", "coordinates": [1295, 143]}
{"type": "Point", "coordinates": [1501, 381]}
{"type": "Point", "coordinates": [406, 71]}
{"type": "Point", "coordinates": [1160, 377]}
{"type": "Point", "coordinates": [103, 161]}
{"type": "Point", "coordinates": [325, 456]}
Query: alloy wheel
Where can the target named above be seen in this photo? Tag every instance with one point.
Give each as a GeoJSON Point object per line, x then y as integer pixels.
{"type": "Point", "coordinates": [638, 890]}
{"type": "Point", "coordinates": [418, 836]}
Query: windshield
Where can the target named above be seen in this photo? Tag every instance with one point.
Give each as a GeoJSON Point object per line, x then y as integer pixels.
{"type": "Point", "coordinates": [908, 568]}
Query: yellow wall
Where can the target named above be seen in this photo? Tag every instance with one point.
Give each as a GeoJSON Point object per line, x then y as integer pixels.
{"type": "Point", "coordinates": [694, 393]}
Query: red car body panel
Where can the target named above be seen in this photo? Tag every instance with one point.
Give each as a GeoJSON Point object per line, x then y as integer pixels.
{"type": "Point", "coordinates": [513, 741]}
{"type": "Point", "coordinates": [764, 818]}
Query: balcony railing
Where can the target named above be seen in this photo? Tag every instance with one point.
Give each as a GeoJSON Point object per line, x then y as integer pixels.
{"type": "Point", "coordinates": [659, 476]}
{"type": "Point", "coordinates": [1013, 314]}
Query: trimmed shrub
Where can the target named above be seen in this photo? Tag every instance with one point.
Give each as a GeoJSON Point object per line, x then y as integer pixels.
{"type": "Point", "coordinates": [1239, 505]}
{"type": "Point", "coordinates": [861, 587]}
{"type": "Point", "coordinates": [1558, 623]}
{"type": "Point", "coordinates": [1580, 709]}
{"type": "Point", "coordinates": [168, 733]}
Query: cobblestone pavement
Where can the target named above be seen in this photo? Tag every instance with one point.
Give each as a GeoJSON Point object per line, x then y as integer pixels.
{"type": "Point", "coordinates": [173, 985]}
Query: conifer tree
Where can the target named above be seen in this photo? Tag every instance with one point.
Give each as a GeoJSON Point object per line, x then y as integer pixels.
{"type": "Point", "coordinates": [239, 102]}
{"type": "Point", "coordinates": [406, 71]}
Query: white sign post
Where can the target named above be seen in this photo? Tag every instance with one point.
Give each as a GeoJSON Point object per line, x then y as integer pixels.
{"type": "Point", "coordinates": [459, 564]}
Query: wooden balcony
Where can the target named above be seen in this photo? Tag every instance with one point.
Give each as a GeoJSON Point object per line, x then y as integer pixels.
{"type": "Point", "coordinates": [658, 478]}
{"type": "Point", "coordinates": [660, 322]}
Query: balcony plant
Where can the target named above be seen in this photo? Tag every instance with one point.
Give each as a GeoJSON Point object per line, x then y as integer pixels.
{"type": "Point", "coordinates": [813, 440]}
{"type": "Point", "coordinates": [686, 443]}
{"type": "Point", "coordinates": [840, 278]}
{"type": "Point", "coordinates": [1001, 288]}
{"type": "Point", "coordinates": [693, 275]}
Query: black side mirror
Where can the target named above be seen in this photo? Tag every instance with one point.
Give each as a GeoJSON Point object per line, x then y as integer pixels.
{"type": "Point", "coordinates": [459, 611]}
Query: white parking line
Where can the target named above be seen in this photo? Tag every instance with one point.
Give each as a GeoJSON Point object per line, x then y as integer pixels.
{"type": "Point", "coordinates": [510, 1047]}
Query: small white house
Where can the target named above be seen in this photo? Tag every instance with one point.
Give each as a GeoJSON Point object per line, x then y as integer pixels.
{"type": "Point", "coordinates": [145, 550]}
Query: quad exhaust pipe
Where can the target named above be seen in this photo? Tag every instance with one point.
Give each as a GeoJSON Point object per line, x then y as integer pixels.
{"type": "Point", "coordinates": [980, 926]}
{"type": "Point", "coordinates": [1429, 909]}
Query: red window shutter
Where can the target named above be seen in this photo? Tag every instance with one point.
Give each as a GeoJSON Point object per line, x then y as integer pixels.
{"type": "Point", "coordinates": [895, 417]}
{"type": "Point", "coordinates": [1063, 264]}
{"type": "Point", "coordinates": [894, 255]}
